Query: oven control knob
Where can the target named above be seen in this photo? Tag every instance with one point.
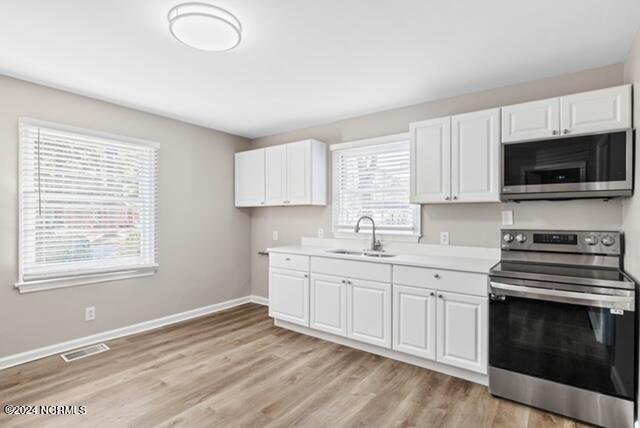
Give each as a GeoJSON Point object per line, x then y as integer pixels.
{"type": "Point", "coordinates": [521, 238]}
{"type": "Point", "coordinates": [608, 240]}
{"type": "Point", "coordinates": [507, 237]}
{"type": "Point", "coordinates": [591, 239]}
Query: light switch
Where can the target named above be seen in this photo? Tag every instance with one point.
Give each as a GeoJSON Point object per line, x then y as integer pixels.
{"type": "Point", "coordinates": [321, 233]}
{"type": "Point", "coordinates": [275, 235]}
{"type": "Point", "coordinates": [507, 218]}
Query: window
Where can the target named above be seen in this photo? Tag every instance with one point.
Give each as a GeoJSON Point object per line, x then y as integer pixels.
{"type": "Point", "coordinates": [88, 206]}
{"type": "Point", "coordinates": [371, 177]}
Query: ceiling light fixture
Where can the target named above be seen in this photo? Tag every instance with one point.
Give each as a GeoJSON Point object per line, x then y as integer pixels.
{"type": "Point", "coordinates": [204, 26]}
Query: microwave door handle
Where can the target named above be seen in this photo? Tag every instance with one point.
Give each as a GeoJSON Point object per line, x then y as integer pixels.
{"type": "Point", "coordinates": [571, 297]}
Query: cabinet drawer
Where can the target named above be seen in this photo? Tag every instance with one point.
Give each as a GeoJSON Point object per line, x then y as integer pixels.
{"type": "Point", "coordinates": [289, 261]}
{"type": "Point", "coordinates": [441, 279]}
{"type": "Point", "coordinates": [352, 269]}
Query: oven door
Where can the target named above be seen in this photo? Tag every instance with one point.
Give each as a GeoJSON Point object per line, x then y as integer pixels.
{"type": "Point", "coordinates": [586, 340]}
{"type": "Point", "coordinates": [597, 163]}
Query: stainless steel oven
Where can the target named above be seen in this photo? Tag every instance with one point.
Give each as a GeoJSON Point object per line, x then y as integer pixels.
{"type": "Point", "coordinates": [562, 325]}
{"type": "Point", "coordinates": [585, 166]}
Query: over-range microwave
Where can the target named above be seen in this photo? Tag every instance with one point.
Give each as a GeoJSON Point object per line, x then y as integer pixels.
{"type": "Point", "coordinates": [586, 166]}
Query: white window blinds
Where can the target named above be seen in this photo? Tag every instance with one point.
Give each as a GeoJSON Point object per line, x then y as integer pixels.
{"type": "Point", "coordinates": [374, 180]}
{"type": "Point", "coordinates": [88, 204]}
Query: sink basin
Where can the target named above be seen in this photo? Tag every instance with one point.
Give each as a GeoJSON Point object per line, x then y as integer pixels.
{"type": "Point", "coordinates": [346, 252]}
{"type": "Point", "coordinates": [361, 253]}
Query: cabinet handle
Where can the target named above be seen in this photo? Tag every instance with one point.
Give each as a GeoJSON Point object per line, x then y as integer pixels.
{"type": "Point", "coordinates": [440, 296]}
{"type": "Point", "coordinates": [262, 203]}
{"type": "Point", "coordinates": [565, 131]}
{"type": "Point", "coordinates": [288, 259]}
{"type": "Point", "coordinates": [446, 198]}
{"type": "Point", "coordinates": [344, 282]}
{"type": "Point", "coordinates": [554, 132]}
{"type": "Point", "coordinates": [455, 198]}
{"type": "Point", "coordinates": [286, 202]}
{"type": "Point", "coordinates": [306, 276]}
{"type": "Point", "coordinates": [436, 275]}
{"type": "Point", "coordinates": [432, 294]}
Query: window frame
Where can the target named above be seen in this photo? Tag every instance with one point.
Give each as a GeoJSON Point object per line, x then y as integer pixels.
{"type": "Point", "coordinates": [91, 276]}
{"type": "Point", "coordinates": [365, 233]}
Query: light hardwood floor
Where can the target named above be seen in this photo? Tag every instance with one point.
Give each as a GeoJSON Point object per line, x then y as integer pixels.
{"type": "Point", "coordinates": [235, 369]}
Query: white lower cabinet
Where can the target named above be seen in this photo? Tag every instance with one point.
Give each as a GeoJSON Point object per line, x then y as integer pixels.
{"type": "Point", "coordinates": [329, 304]}
{"type": "Point", "coordinates": [369, 312]}
{"type": "Point", "coordinates": [434, 314]}
{"type": "Point", "coordinates": [414, 321]}
{"type": "Point", "coordinates": [289, 296]}
{"type": "Point", "coordinates": [462, 331]}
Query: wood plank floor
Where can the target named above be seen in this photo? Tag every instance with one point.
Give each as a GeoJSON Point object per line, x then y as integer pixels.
{"type": "Point", "coordinates": [235, 369]}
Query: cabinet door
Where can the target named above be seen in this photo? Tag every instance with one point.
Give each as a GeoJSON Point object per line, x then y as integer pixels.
{"type": "Point", "coordinates": [289, 296]}
{"type": "Point", "coordinates": [530, 121]}
{"type": "Point", "coordinates": [369, 312]}
{"type": "Point", "coordinates": [329, 304]}
{"type": "Point", "coordinates": [249, 177]}
{"type": "Point", "coordinates": [431, 160]}
{"type": "Point", "coordinates": [298, 173]}
{"type": "Point", "coordinates": [475, 153]}
{"type": "Point", "coordinates": [462, 331]}
{"type": "Point", "coordinates": [275, 175]}
{"type": "Point", "coordinates": [603, 110]}
{"type": "Point", "coordinates": [414, 321]}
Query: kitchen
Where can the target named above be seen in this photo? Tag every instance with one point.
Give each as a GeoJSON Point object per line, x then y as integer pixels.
{"type": "Point", "coordinates": [471, 256]}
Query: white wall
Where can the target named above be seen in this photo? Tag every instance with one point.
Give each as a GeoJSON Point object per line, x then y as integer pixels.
{"type": "Point", "coordinates": [468, 224]}
{"type": "Point", "coordinates": [631, 206]}
{"type": "Point", "coordinates": [203, 242]}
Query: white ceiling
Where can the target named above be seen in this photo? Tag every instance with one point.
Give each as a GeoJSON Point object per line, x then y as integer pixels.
{"type": "Point", "coordinates": [306, 62]}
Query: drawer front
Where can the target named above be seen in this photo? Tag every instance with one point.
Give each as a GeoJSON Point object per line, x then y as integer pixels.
{"type": "Point", "coordinates": [352, 269]}
{"type": "Point", "coordinates": [289, 261]}
{"type": "Point", "coordinates": [441, 279]}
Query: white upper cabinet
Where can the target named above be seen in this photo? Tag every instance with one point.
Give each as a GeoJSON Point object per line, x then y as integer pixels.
{"type": "Point", "coordinates": [584, 113]}
{"type": "Point", "coordinates": [603, 110]}
{"type": "Point", "coordinates": [431, 160]}
{"type": "Point", "coordinates": [475, 153]}
{"type": "Point", "coordinates": [456, 159]}
{"type": "Point", "coordinates": [288, 174]}
{"type": "Point", "coordinates": [249, 178]}
{"type": "Point", "coordinates": [299, 173]}
{"type": "Point", "coordinates": [531, 121]}
{"type": "Point", "coordinates": [275, 175]}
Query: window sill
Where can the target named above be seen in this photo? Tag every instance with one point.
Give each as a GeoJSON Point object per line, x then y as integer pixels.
{"type": "Point", "coordinates": [385, 237]}
{"type": "Point", "coordinates": [72, 281]}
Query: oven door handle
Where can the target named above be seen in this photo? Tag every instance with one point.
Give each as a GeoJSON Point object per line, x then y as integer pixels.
{"type": "Point", "coordinates": [625, 303]}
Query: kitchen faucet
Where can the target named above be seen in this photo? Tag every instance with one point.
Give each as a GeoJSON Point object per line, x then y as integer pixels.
{"type": "Point", "coordinates": [375, 244]}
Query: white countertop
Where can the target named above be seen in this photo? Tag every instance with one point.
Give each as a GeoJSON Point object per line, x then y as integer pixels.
{"type": "Point", "coordinates": [459, 263]}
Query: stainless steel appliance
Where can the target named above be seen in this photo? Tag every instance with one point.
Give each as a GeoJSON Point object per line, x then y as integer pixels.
{"type": "Point", "coordinates": [562, 325]}
{"type": "Point", "coordinates": [585, 166]}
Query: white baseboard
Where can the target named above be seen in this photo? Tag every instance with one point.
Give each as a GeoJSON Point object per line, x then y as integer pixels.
{"type": "Point", "coordinates": [24, 357]}
{"type": "Point", "coordinates": [479, 378]}
{"type": "Point", "coordinates": [259, 300]}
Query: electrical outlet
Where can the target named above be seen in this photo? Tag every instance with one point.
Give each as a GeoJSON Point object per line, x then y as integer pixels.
{"type": "Point", "coordinates": [275, 235]}
{"type": "Point", "coordinates": [321, 233]}
{"type": "Point", "coordinates": [444, 238]}
{"type": "Point", "coordinates": [89, 313]}
{"type": "Point", "coordinates": [507, 218]}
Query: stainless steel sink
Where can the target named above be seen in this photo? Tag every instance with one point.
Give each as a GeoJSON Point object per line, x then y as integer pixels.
{"type": "Point", "coordinates": [361, 253]}
{"type": "Point", "coordinates": [346, 252]}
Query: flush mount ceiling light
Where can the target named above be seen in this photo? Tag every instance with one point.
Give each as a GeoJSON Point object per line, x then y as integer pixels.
{"type": "Point", "coordinates": [204, 26]}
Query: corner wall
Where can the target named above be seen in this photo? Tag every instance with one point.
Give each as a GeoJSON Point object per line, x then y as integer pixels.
{"type": "Point", "coordinates": [468, 224]}
{"type": "Point", "coordinates": [203, 242]}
